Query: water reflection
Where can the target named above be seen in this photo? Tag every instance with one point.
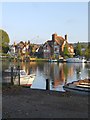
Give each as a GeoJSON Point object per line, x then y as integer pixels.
{"type": "Point", "coordinates": [58, 73]}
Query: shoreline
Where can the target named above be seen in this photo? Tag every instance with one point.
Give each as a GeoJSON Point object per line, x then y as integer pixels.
{"type": "Point", "coordinates": [20, 102]}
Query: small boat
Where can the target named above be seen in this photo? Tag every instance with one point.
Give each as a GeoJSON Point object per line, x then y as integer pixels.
{"type": "Point", "coordinates": [25, 80]}
{"type": "Point", "coordinates": [78, 86]}
{"type": "Point", "coordinates": [76, 60]}
{"type": "Point", "coordinates": [53, 60]}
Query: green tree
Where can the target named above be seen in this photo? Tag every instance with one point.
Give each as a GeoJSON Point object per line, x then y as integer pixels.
{"type": "Point", "coordinates": [78, 49]}
{"type": "Point", "coordinates": [87, 52]}
{"type": "Point", "coordinates": [4, 41]}
{"type": "Point", "coordinates": [65, 51]}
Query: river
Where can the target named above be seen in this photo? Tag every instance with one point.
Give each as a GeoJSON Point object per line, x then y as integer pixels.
{"type": "Point", "coordinates": [58, 74]}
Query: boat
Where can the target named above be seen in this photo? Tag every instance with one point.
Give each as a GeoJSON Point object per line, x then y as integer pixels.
{"type": "Point", "coordinates": [25, 80]}
{"type": "Point", "coordinates": [53, 60]}
{"type": "Point", "coordinates": [81, 86]}
{"type": "Point", "coordinates": [76, 60]}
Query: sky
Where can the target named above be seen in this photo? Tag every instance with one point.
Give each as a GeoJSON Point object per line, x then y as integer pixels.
{"type": "Point", "coordinates": [37, 21]}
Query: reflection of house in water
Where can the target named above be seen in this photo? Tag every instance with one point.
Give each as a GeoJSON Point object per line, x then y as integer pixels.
{"type": "Point", "coordinates": [47, 70]}
{"type": "Point", "coordinates": [61, 73]}
{"type": "Point", "coordinates": [33, 67]}
{"type": "Point", "coordinates": [26, 67]}
{"type": "Point", "coordinates": [58, 77]}
{"type": "Point", "coordinates": [40, 66]}
{"type": "Point", "coordinates": [29, 67]}
{"type": "Point", "coordinates": [70, 70]}
{"type": "Point", "coordinates": [54, 72]}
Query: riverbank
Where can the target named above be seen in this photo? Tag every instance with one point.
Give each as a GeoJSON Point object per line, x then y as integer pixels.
{"type": "Point", "coordinates": [20, 102]}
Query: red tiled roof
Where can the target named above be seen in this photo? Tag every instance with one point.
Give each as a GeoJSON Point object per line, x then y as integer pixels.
{"type": "Point", "coordinates": [59, 40]}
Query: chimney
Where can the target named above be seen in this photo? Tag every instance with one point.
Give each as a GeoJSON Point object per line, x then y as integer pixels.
{"type": "Point", "coordinates": [66, 37]}
{"type": "Point", "coordinates": [14, 43]}
{"type": "Point", "coordinates": [54, 36]}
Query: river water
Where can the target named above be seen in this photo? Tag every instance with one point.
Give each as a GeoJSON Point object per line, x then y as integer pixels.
{"type": "Point", "coordinates": [58, 74]}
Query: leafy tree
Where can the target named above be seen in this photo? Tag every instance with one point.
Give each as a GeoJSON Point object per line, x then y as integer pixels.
{"type": "Point", "coordinates": [5, 49]}
{"type": "Point", "coordinates": [78, 49]}
{"type": "Point", "coordinates": [4, 41]}
{"type": "Point", "coordinates": [65, 51]}
{"type": "Point", "coordinates": [87, 52]}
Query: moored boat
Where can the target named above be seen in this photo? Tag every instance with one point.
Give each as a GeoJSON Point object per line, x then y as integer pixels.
{"type": "Point", "coordinates": [80, 86]}
{"type": "Point", "coordinates": [76, 60]}
{"type": "Point", "coordinates": [25, 80]}
{"type": "Point", "coordinates": [53, 60]}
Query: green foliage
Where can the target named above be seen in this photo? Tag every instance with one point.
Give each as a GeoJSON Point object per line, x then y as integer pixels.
{"type": "Point", "coordinates": [4, 41]}
{"type": "Point", "coordinates": [87, 52]}
{"type": "Point", "coordinates": [78, 49]}
{"type": "Point", "coordinates": [5, 49]}
{"type": "Point", "coordinates": [66, 52]}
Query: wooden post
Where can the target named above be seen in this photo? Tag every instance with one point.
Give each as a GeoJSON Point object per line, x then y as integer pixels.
{"type": "Point", "coordinates": [18, 75]}
{"type": "Point", "coordinates": [47, 84]}
{"type": "Point", "coordinates": [11, 75]}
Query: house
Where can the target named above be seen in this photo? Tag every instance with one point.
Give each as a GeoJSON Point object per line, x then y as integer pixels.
{"type": "Point", "coordinates": [39, 52]}
{"type": "Point", "coordinates": [55, 47]}
{"type": "Point", "coordinates": [71, 49]}
{"type": "Point", "coordinates": [47, 49]}
{"type": "Point", "coordinates": [21, 48]}
{"type": "Point", "coordinates": [59, 43]}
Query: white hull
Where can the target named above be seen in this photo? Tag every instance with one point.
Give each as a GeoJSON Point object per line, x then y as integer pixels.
{"type": "Point", "coordinates": [51, 60]}
{"type": "Point", "coordinates": [25, 80]}
{"type": "Point", "coordinates": [75, 60]}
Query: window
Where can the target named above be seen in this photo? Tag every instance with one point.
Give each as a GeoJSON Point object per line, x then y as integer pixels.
{"type": "Point", "coordinates": [55, 49]}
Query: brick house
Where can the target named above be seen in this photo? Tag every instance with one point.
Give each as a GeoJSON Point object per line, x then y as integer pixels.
{"type": "Point", "coordinates": [55, 47]}
{"type": "Point", "coordinates": [47, 49]}
{"type": "Point", "coordinates": [21, 48]}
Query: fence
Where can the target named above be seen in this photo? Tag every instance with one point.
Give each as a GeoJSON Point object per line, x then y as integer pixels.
{"type": "Point", "coordinates": [9, 75]}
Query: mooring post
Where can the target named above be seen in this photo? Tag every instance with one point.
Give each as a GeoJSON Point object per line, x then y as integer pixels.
{"type": "Point", "coordinates": [11, 75]}
{"type": "Point", "coordinates": [18, 75]}
{"type": "Point", "coordinates": [47, 84]}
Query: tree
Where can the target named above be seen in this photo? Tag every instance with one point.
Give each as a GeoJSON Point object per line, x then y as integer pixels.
{"type": "Point", "coordinates": [4, 41]}
{"type": "Point", "coordinates": [87, 52]}
{"type": "Point", "coordinates": [78, 49]}
{"type": "Point", "coordinates": [65, 51]}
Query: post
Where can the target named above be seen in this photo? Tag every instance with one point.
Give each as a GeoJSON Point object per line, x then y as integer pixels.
{"type": "Point", "coordinates": [47, 84]}
{"type": "Point", "coordinates": [11, 75]}
{"type": "Point", "coordinates": [18, 75]}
